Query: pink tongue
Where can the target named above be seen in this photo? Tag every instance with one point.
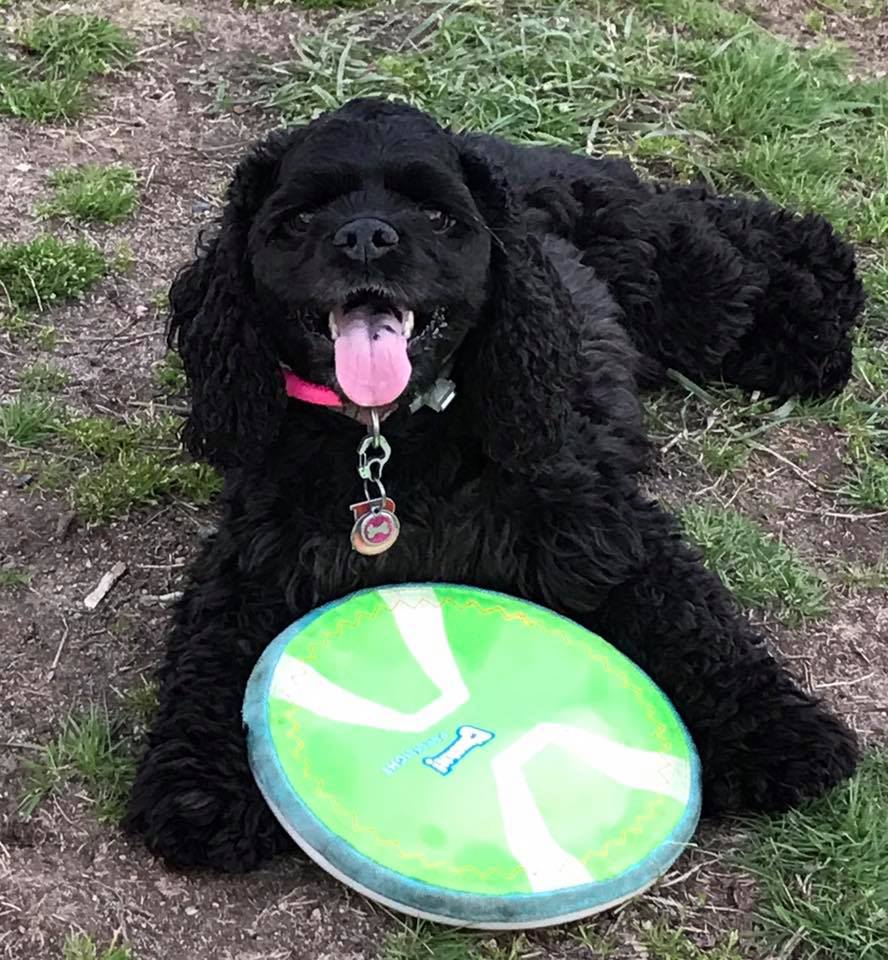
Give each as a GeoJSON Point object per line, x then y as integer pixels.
{"type": "Point", "coordinates": [372, 366]}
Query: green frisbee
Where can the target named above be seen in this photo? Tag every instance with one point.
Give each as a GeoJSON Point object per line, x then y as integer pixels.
{"type": "Point", "coordinates": [470, 758]}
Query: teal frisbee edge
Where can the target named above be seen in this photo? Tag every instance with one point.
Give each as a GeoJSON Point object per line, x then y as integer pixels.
{"type": "Point", "coordinates": [444, 905]}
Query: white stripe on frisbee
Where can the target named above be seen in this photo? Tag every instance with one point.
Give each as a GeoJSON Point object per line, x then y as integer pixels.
{"type": "Point", "coordinates": [421, 627]}
{"type": "Point", "coordinates": [548, 865]}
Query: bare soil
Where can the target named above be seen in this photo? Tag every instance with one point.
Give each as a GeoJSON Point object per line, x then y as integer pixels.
{"type": "Point", "coordinates": [859, 25]}
{"type": "Point", "coordinates": [62, 871]}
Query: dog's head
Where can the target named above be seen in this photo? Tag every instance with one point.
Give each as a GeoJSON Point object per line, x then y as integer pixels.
{"type": "Point", "coordinates": [361, 251]}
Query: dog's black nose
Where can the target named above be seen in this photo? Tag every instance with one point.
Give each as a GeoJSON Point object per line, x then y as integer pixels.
{"type": "Point", "coordinates": [366, 239]}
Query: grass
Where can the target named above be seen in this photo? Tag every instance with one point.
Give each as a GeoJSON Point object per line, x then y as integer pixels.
{"type": "Point", "coordinates": [114, 466]}
{"type": "Point", "coordinates": [92, 193]}
{"type": "Point", "coordinates": [92, 751]}
{"type": "Point", "coordinates": [666, 943]}
{"type": "Point", "coordinates": [670, 83]}
{"type": "Point", "coordinates": [105, 467]}
{"type": "Point", "coordinates": [823, 870]}
{"type": "Point", "coordinates": [64, 51]}
{"type": "Point", "coordinates": [547, 77]}
{"type": "Point", "coordinates": [27, 420]}
{"type": "Point", "coordinates": [309, 4]}
{"type": "Point", "coordinates": [867, 576]}
{"type": "Point", "coordinates": [44, 378]}
{"type": "Point", "coordinates": [38, 272]}
{"type": "Point", "coordinates": [169, 374]}
{"type": "Point", "coordinates": [761, 571]}
{"type": "Point", "coordinates": [420, 940]}
{"type": "Point", "coordinates": [13, 578]}
{"type": "Point", "coordinates": [80, 946]}
{"type": "Point", "coordinates": [84, 43]}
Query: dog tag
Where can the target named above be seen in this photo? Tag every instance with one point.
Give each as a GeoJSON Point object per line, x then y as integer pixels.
{"type": "Point", "coordinates": [376, 526]}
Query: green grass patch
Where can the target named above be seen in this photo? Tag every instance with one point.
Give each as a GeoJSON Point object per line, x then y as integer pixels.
{"type": "Point", "coordinates": [684, 87]}
{"type": "Point", "coordinates": [28, 420]}
{"type": "Point", "coordinates": [21, 326]}
{"type": "Point", "coordinates": [420, 940]}
{"type": "Point", "coordinates": [81, 43]}
{"type": "Point", "coordinates": [41, 100]}
{"type": "Point", "coordinates": [754, 565]}
{"type": "Point", "coordinates": [866, 576]}
{"type": "Point", "coordinates": [823, 870]}
{"type": "Point", "coordinates": [104, 466]}
{"type": "Point", "coordinates": [92, 751]}
{"type": "Point", "coordinates": [107, 467]}
{"type": "Point", "coordinates": [44, 378]}
{"type": "Point", "coordinates": [38, 272]}
{"type": "Point", "coordinates": [666, 943]}
{"type": "Point", "coordinates": [132, 480]}
{"type": "Point", "coordinates": [309, 4]}
{"type": "Point", "coordinates": [860, 413]}
{"type": "Point", "coordinates": [139, 703]}
{"type": "Point", "coordinates": [13, 578]}
{"type": "Point", "coordinates": [80, 946]}
{"type": "Point", "coordinates": [93, 193]}
{"type": "Point", "coordinates": [552, 76]}
{"type": "Point", "coordinates": [64, 51]}
{"type": "Point", "coordinates": [169, 374]}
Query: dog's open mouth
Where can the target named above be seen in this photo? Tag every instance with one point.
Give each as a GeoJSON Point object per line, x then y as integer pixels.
{"type": "Point", "coordinates": [370, 335]}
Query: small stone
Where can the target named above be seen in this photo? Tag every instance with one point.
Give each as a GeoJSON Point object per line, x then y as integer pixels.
{"type": "Point", "coordinates": [22, 481]}
{"type": "Point", "coordinates": [191, 911]}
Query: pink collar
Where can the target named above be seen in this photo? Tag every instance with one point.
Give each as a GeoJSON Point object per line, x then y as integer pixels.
{"type": "Point", "coordinates": [437, 398]}
{"type": "Point", "coordinates": [307, 392]}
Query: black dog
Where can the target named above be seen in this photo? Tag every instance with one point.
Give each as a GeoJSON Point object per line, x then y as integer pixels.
{"type": "Point", "coordinates": [548, 287]}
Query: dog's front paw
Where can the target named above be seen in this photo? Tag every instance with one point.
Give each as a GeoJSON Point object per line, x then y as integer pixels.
{"type": "Point", "coordinates": [202, 812]}
{"type": "Point", "coordinates": [791, 755]}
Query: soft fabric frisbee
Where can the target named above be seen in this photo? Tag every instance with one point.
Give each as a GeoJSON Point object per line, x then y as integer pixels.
{"type": "Point", "coordinates": [470, 758]}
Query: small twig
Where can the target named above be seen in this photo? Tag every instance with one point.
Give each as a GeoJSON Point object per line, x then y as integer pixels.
{"type": "Point", "coordinates": [687, 874]}
{"type": "Point", "coordinates": [161, 597]}
{"type": "Point", "coordinates": [797, 470]}
{"type": "Point", "coordinates": [860, 653]}
{"type": "Point", "coordinates": [19, 745]}
{"type": "Point", "coordinates": [58, 654]}
{"type": "Point", "coordinates": [676, 439]}
{"type": "Point", "coordinates": [104, 585]}
{"type": "Point", "coordinates": [839, 516]}
{"type": "Point", "coordinates": [845, 683]}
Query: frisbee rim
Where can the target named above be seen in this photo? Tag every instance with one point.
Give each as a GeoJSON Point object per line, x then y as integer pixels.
{"type": "Point", "coordinates": [382, 883]}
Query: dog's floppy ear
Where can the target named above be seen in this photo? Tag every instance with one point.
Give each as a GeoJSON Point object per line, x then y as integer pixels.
{"type": "Point", "coordinates": [524, 354]}
{"type": "Point", "coordinates": [237, 396]}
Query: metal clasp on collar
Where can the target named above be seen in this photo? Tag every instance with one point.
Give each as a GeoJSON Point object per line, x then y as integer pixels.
{"type": "Point", "coordinates": [376, 526]}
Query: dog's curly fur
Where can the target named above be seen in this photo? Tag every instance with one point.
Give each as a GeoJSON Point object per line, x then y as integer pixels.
{"type": "Point", "coordinates": [567, 283]}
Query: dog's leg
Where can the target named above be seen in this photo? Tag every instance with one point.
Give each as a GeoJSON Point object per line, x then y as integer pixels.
{"type": "Point", "coordinates": [194, 800]}
{"type": "Point", "coordinates": [726, 288]}
{"type": "Point", "coordinates": [764, 743]}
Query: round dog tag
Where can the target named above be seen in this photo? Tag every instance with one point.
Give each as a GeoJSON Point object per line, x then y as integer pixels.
{"type": "Point", "coordinates": [376, 526]}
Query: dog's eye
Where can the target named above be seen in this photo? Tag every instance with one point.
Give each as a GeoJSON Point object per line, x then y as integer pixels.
{"type": "Point", "coordinates": [297, 222]}
{"type": "Point", "coordinates": [439, 220]}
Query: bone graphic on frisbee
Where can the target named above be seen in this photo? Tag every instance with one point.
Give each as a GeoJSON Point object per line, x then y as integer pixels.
{"type": "Point", "coordinates": [547, 865]}
{"type": "Point", "coordinates": [420, 622]}
{"type": "Point", "coordinates": [467, 739]}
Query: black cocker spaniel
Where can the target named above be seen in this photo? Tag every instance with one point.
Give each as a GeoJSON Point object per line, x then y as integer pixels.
{"type": "Point", "coordinates": [368, 260]}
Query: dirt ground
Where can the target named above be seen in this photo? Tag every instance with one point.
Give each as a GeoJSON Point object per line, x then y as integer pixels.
{"type": "Point", "coordinates": [61, 871]}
